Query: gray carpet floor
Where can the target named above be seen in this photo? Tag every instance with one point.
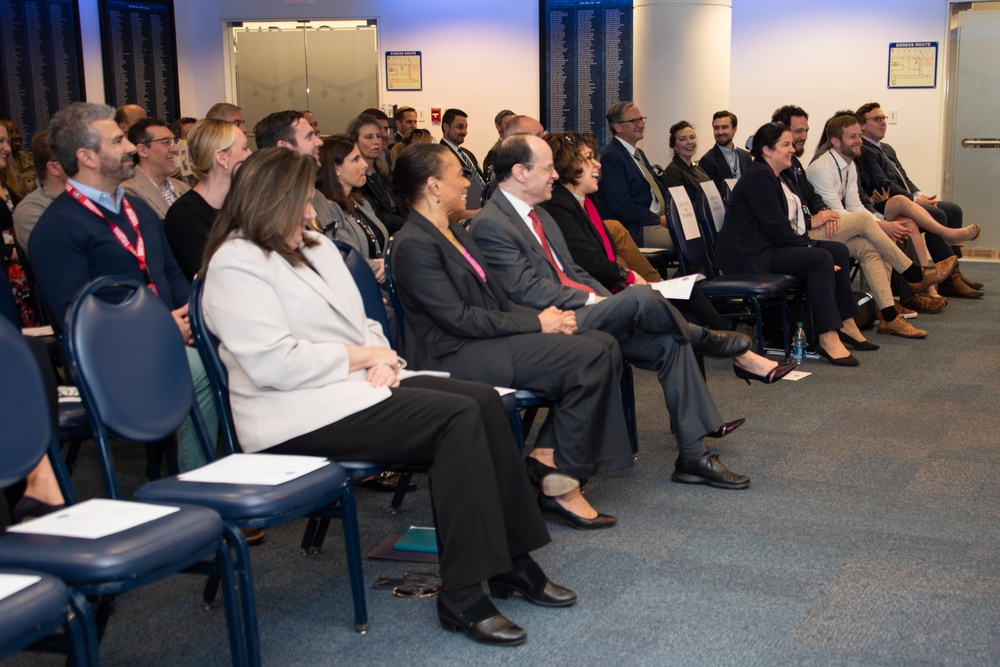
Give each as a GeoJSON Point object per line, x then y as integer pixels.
{"type": "Point", "coordinates": [870, 536]}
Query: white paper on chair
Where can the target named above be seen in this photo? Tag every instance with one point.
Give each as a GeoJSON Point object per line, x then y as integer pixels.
{"type": "Point", "coordinates": [93, 519]}
{"type": "Point", "coordinates": [260, 469]}
{"type": "Point", "coordinates": [503, 391]}
{"type": "Point", "coordinates": [677, 288]}
{"type": "Point", "coordinates": [715, 203]}
{"type": "Point", "coordinates": [15, 583]}
{"type": "Point", "coordinates": [685, 211]}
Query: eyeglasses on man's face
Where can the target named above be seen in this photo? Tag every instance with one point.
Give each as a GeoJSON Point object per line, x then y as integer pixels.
{"type": "Point", "coordinates": [635, 121]}
{"type": "Point", "coordinates": [166, 142]}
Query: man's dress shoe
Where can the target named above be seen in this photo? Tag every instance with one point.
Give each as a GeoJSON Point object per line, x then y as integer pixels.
{"type": "Point", "coordinates": [531, 583]}
{"type": "Point", "coordinates": [721, 344]}
{"type": "Point", "coordinates": [708, 470]}
{"type": "Point", "coordinates": [956, 287]}
{"type": "Point", "coordinates": [481, 622]}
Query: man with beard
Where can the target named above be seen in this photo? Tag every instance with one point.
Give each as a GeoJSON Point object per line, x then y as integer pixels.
{"type": "Point", "coordinates": [724, 160]}
{"type": "Point", "coordinates": [454, 127]}
{"type": "Point", "coordinates": [94, 230]}
{"type": "Point", "coordinates": [156, 148]}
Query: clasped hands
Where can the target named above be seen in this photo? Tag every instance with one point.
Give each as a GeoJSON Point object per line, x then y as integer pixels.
{"type": "Point", "coordinates": [557, 321]}
{"type": "Point", "coordinates": [384, 371]}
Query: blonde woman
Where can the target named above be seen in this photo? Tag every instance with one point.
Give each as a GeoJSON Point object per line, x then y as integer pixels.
{"type": "Point", "coordinates": [216, 150]}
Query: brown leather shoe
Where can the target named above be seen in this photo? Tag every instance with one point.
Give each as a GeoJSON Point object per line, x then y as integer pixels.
{"type": "Point", "coordinates": [905, 312]}
{"type": "Point", "coordinates": [974, 284]}
{"type": "Point", "coordinates": [925, 303]}
{"type": "Point", "coordinates": [954, 286]}
{"type": "Point", "coordinates": [900, 327]}
{"type": "Point", "coordinates": [935, 274]}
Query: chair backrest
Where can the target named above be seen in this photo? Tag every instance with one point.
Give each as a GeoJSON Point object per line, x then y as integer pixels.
{"type": "Point", "coordinates": [25, 419]}
{"type": "Point", "coordinates": [713, 207]}
{"type": "Point", "coordinates": [371, 293]}
{"type": "Point", "coordinates": [397, 305]}
{"type": "Point", "coordinates": [690, 251]}
{"type": "Point", "coordinates": [128, 360]}
{"type": "Point", "coordinates": [208, 348]}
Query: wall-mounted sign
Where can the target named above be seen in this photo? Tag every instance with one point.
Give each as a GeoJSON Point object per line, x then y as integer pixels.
{"type": "Point", "coordinates": [913, 64]}
{"type": "Point", "coordinates": [586, 63]}
{"type": "Point", "coordinates": [403, 70]}
{"type": "Point", "coordinates": [41, 64]}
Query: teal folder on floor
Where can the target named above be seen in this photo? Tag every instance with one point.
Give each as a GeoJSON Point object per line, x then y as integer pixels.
{"type": "Point", "coordinates": [419, 539]}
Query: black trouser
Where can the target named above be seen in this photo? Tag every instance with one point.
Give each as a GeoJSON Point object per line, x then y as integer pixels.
{"type": "Point", "coordinates": [484, 506]}
{"type": "Point", "coordinates": [830, 291]}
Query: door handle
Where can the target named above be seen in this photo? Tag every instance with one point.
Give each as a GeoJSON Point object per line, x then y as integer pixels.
{"type": "Point", "coordinates": [980, 143]}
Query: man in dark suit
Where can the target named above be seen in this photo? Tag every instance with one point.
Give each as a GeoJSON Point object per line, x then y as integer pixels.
{"type": "Point", "coordinates": [724, 160]}
{"type": "Point", "coordinates": [629, 192]}
{"type": "Point", "coordinates": [527, 253]}
{"type": "Point", "coordinates": [406, 120]}
{"type": "Point", "coordinates": [880, 165]}
{"type": "Point", "coordinates": [454, 127]}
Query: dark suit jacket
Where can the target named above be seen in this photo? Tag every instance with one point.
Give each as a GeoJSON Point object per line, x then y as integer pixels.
{"type": "Point", "coordinates": [756, 223]}
{"type": "Point", "coordinates": [875, 168]}
{"type": "Point", "coordinates": [625, 194]}
{"type": "Point", "coordinates": [476, 189]}
{"type": "Point", "coordinates": [678, 172]}
{"type": "Point", "coordinates": [795, 178]}
{"type": "Point", "coordinates": [519, 261]}
{"type": "Point", "coordinates": [584, 243]}
{"type": "Point", "coordinates": [715, 165]}
{"type": "Point", "coordinates": [453, 318]}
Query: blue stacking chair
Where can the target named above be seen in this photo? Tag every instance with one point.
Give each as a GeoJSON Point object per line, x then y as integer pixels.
{"type": "Point", "coordinates": [34, 613]}
{"type": "Point", "coordinates": [131, 368]}
{"type": "Point", "coordinates": [102, 568]}
{"type": "Point", "coordinates": [753, 288]}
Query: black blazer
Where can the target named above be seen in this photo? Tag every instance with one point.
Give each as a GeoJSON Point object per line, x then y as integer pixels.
{"type": "Point", "coordinates": [679, 172]}
{"type": "Point", "coordinates": [795, 178]}
{"type": "Point", "coordinates": [877, 166]}
{"type": "Point", "coordinates": [584, 242]}
{"type": "Point", "coordinates": [715, 165]}
{"type": "Point", "coordinates": [625, 194]}
{"type": "Point", "coordinates": [453, 319]}
{"type": "Point", "coordinates": [756, 223]}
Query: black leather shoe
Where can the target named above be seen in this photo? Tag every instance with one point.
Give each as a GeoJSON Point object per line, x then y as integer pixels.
{"type": "Point", "coordinates": [552, 506]}
{"type": "Point", "coordinates": [863, 345]}
{"type": "Point", "coordinates": [481, 622]}
{"type": "Point", "coordinates": [721, 344]}
{"type": "Point", "coordinates": [775, 374]}
{"type": "Point", "coordinates": [550, 481]}
{"type": "Point", "coordinates": [28, 508]}
{"type": "Point", "coordinates": [385, 482]}
{"type": "Point", "coordinates": [848, 361]}
{"type": "Point", "coordinates": [726, 428]}
{"type": "Point", "coordinates": [531, 583]}
{"type": "Point", "coordinates": [708, 470]}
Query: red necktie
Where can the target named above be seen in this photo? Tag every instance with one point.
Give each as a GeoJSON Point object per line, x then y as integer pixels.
{"type": "Point", "coordinates": [563, 278]}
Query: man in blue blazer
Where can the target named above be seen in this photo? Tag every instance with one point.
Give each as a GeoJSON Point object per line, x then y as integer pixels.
{"type": "Point", "coordinates": [630, 193]}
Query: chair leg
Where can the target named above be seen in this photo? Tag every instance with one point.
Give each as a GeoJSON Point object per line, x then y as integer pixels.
{"type": "Point", "coordinates": [244, 640]}
{"type": "Point", "coordinates": [517, 429]}
{"type": "Point", "coordinates": [211, 590]}
{"type": "Point", "coordinates": [628, 404]}
{"type": "Point", "coordinates": [82, 632]}
{"type": "Point", "coordinates": [321, 530]}
{"type": "Point", "coordinates": [527, 420]}
{"type": "Point", "coordinates": [352, 545]}
{"type": "Point", "coordinates": [400, 492]}
{"type": "Point", "coordinates": [309, 536]}
{"type": "Point", "coordinates": [72, 453]}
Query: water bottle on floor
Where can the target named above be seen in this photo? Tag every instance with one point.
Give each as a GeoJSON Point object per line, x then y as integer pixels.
{"type": "Point", "coordinates": [799, 346]}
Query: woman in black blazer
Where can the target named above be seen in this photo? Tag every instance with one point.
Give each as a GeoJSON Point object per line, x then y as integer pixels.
{"type": "Point", "coordinates": [683, 170]}
{"type": "Point", "coordinates": [765, 232]}
{"type": "Point", "coordinates": [459, 320]}
{"type": "Point", "coordinates": [594, 249]}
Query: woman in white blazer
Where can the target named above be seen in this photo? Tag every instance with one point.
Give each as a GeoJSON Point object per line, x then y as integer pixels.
{"type": "Point", "coordinates": [309, 373]}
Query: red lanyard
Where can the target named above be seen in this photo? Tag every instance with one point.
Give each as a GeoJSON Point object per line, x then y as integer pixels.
{"type": "Point", "coordinates": [139, 250]}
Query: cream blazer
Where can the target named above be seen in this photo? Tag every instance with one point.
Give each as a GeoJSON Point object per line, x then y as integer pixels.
{"type": "Point", "coordinates": [283, 332]}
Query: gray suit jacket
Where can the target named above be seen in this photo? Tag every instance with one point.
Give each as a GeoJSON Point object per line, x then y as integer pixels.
{"type": "Point", "coordinates": [520, 262]}
{"type": "Point", "coordinates": [347, 229]}
{"type": "Point", "coordinates": [142, 187]}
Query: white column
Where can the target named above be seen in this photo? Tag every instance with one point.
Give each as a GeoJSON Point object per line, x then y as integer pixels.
{"type": "Point", "coordinates": [680, 64]}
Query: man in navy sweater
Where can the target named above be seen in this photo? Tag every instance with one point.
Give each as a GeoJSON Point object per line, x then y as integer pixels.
{"type": "Point", "coordinates": [93, 230]}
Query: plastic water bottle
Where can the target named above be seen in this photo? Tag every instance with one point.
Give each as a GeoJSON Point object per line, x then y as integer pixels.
{"type": "Point", "coordinates": [799, 346]}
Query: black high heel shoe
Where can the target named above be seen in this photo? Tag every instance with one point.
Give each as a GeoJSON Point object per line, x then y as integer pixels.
{"type": "Point", "coordinates": [856, 344]}
{"type": "Point", "coordinates": [550, 481]}
{"type": "Point", "coordinates": [28, 508]}
{"type": "Point", "coordinates": [552, 506]}
{"type": "Point", "coordinates": [726, 428]}
{"type": "Point", "coordinates": [775, 374]}
{"type": "Point", "coordinates": [848, 361]}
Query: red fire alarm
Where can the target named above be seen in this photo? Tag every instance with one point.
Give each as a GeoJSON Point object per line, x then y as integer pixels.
{"type": "Point", "coordinates": [436, 115]}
